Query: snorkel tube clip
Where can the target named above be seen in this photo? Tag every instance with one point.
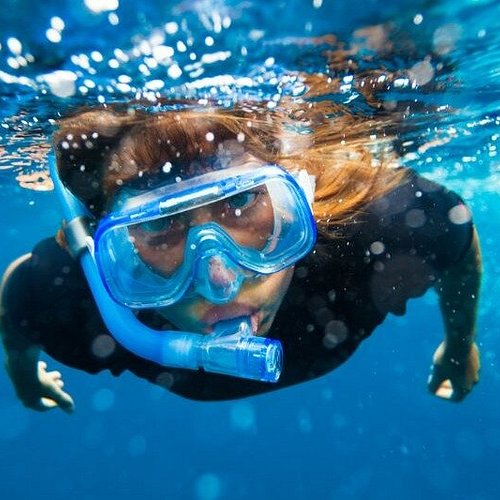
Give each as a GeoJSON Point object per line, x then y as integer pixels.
{"type": "Point", "coordinates": [77, 233]}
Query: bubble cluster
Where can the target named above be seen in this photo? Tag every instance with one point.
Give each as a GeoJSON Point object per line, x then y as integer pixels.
{"type": "Point", "coordinates": [62, 83]}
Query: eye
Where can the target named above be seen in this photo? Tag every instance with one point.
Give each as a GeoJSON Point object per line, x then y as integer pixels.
{"type": "Point", "coordinates": [156, 225]}
{"type": "Point", "coordinates": [163, 231]}
{"type": "Point", "coordinates": [242, 201]}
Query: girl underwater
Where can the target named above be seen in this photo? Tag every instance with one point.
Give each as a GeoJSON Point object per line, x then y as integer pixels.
{"type": "Point", "coordinates": [203, 218]}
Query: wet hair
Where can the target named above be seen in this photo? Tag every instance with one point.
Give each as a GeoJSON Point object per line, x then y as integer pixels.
{"type": "Point", "coordinates": [99, 150]}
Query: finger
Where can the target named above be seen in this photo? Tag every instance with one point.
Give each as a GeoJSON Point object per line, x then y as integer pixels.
{"type": "Point", "coordinates": [452, 391]}
{"type": "Point", "coordinates": [54, 392]}
{"type": "Point", "coordinates": [42, 364]}
{"type": "Point", "coordinates": [445, 390]}
{"type": "Point", "coordinates": [55, 374]}
{"type": "Point", "coordinates": [60, 400]}
{"type": "Point", "coordinates": [65, 401]}
{"type": "Point", "coordinates": [46, 404]}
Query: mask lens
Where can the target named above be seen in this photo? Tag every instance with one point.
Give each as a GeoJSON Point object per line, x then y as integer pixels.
{"type": "Point", "coordinates": [247, 218]}
{"type": "Point", "coordinates": [149, 250]}
{"type": "Point", "coordinates": [160, 243]}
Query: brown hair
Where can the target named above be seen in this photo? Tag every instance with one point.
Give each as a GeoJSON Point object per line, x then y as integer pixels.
{"type": "Point", "coordinates": [100, 149]}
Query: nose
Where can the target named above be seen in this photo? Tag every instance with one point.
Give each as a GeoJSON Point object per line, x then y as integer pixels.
{"type": "Point", "coordinates": [219, 274]}
{"type": "Point", "coordinates": [218, 278]}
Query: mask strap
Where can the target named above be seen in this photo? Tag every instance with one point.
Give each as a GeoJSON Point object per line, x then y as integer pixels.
{"type": "Point", "coordinates": [307, 183]}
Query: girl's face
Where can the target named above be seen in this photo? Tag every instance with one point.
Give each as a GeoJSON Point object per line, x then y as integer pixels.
{"type": "Point", "coordinates": [248, 218]}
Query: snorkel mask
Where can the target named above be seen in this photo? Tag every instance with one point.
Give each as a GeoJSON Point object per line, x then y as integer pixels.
{"type": "Point", "coordinates": [202, 236]}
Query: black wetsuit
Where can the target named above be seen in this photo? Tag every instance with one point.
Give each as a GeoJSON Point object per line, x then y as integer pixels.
{"type": "Point", "coordinates": [395, 250]}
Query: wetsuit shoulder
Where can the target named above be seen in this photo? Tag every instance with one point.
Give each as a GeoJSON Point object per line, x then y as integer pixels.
{"type": "Point", "coordinates": [423, 217]}
{"type": "Point", "coordinates": [49, 302]}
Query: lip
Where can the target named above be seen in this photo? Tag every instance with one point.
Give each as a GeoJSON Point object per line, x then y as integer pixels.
{"type": "Point", "coordinates": [230, 311]}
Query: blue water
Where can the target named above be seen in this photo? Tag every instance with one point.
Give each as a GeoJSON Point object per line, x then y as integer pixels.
{"type": "Point", "coordinates": [368, 430]}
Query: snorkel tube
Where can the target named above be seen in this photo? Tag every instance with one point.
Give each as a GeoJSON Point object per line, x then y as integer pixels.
{"type": "Point", "coordinates": [231, 350]}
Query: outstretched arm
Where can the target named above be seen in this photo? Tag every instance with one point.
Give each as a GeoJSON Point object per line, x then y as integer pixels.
{"type": "Point", "coordinates": [456, 361]}
{"type": "Point", "coordinates": [34, 385]}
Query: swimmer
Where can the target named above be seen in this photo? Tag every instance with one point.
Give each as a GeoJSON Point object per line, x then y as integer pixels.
{"type": "Point", "coordinates": [209, 231]}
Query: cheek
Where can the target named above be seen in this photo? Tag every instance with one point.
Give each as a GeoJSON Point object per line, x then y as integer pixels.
{"type": "Point", "coordinates": [165, 259]}
{"type": "Point", "coordinates": [275, 286]}
{"type": "Point", "coordinates": [182, 316]}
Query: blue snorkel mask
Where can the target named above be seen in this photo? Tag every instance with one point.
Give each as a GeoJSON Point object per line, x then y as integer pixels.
{"type": "Point", "coordinates": [204, 236]}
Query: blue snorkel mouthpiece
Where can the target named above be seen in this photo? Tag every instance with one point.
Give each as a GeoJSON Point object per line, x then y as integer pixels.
{"type": "Point", "coordinates": [231, 349]}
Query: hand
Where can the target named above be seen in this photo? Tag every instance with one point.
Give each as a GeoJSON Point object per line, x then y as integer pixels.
{"type": "Point", "coordinates": [46, 392]}
{"type": "Point", "coordinates": [453, 378]}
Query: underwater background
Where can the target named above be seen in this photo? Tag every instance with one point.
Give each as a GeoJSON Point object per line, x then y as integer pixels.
{"type": "Point", "coordinates": [368, 430]}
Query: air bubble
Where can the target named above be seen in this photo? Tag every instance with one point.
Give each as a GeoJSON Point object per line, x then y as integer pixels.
{"type": "Point", "coordinates": [15, 46]}
{"type": "Point", "coordinates": [171, 28]}
{"type": "Point", "coordinates": [242, 416]}
{"type": "Point", "coordinates": [103, 400]}
{"type": "Point", "coordinates": [377, 248]}
{"type": "Point", "coordinates": [208, 487]}
{"type": "Point", "coordinates": [53, 35]}
{"type": "Point", "coordinates": [459, 214]}
{"type": "Point", "coordinates": [415, 218]}
{"type": "Point", "coordinates": [103, 346]}
{"type": "Point", "coordinates": [174, 71]}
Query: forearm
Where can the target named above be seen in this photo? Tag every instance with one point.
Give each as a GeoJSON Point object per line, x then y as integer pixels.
{"type": "Point", "coordinates": [35, 386]}
{"type": "Point", "coordinates": [21, 358]}
{"type": "Point", "coordinates": [21, 355]}
{"type": "Point", "coordinates": [458, 291]}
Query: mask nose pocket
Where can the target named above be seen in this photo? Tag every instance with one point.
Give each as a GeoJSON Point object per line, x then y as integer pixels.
{"type": "Point", "coordinates": [217, 278]}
